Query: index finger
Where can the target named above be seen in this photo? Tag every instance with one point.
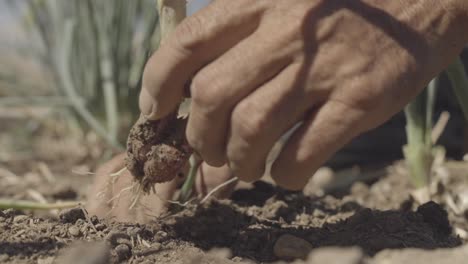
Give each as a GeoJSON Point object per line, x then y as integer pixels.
{"type": "Point", "coordinates": [198, 40]}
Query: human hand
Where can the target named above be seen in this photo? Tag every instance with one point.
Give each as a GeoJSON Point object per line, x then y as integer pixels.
{"type": "Point", "coordinates": [257, 68]}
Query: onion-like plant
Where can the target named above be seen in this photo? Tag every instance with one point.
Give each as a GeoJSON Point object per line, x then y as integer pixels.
{"type": "Point", "coordinates": [96, 51]}
{"type": "Point", "coordinates": [419, 151]}
{"type": "Point", "coordinates": [171, 13]}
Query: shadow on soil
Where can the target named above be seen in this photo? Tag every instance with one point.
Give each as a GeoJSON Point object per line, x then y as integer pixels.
{"type": "Point", "coordinates": [251, 223]}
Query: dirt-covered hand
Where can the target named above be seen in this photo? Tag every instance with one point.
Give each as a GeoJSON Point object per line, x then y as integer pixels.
{"type": "Point", "coordinates": [257, 68]}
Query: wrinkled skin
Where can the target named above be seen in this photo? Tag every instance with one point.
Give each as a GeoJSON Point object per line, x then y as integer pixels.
{"type": "Point", "coordinates": [257, 68]}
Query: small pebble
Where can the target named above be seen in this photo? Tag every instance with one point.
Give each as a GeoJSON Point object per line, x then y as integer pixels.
{"type": "Point", "coordinates": [94, 219]}
{"type": "Point", "coordinates": [20, 218]}
{"type": "Point", "coordinates": [116, 237]}
{"type": "Point", "coordinates": [123, 252]}
{"type": "Point", "coordinates": [160, 236]}
{"type": "Point", "coordinates": [100, 227]}
{"type": "Point", "coordinates": [71, 215]}
{"type": "Point", "coordinates": [4, 258]}
{"type": "Point", "coordinates": [74, 231]}
{"type": "Point", "coordinates": [12, 212]}
{"type": "Point", "coordinates": [124, 241]}
{"type": "Point", "coordinates": [291, 247]}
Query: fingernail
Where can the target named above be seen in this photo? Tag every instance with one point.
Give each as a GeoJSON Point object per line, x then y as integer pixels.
{"type": "Point", "coordinates": [148, 106]}
{"type": "Point", "coordinates": [153, 115]}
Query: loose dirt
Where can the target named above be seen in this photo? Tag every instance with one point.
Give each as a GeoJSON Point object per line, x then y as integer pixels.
{"type": "Point", "coordinates": [157, 150]}
{"type": "Point", "coordinates": [378, 219]}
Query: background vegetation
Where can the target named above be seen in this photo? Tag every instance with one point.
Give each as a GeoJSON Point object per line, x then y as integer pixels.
{"type": "Point", "coordinates": [89, 55]}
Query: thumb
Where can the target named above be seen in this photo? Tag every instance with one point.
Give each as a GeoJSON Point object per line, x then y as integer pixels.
{"type": "Point", "coordinates": [147, 104]}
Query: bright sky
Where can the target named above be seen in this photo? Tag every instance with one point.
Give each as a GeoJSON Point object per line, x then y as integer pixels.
{"type": "Point", "coordinates": [11, 31]}
{"type": "Point", "coordinates": [195, 5]}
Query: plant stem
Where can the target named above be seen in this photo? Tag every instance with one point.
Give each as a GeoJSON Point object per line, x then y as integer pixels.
{"type": "Point", "coordinates": [171, 13]}
{"type": "Point", "coordinates": [418, 151]}
{"type": "Point", "coordinates": [69, 88]}
{"type": "Point", "coordinates": [459, 79]}
{"type": "Point", "coordinates": [431, 91]}
{"type": "Point", "coordinates": [186, 190]}
{"type": "Point", "coordinates": [27, 205]}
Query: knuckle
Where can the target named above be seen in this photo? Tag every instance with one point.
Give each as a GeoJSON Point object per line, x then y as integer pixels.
{"type": "Point", "coordinates": [247, 122]}
{"type": "Point", "coordinates": [201, 94]}
{"type": "Point", "coordinates": [208, 92]}
{"type": "Point", "coordinates": [190, 33]}
{"type": "Point", "coordinates": [368, 101]}
{"type": "Point", "coordinates": [366, 97]}
{"type": "Point", "coordinates": [210, 153]}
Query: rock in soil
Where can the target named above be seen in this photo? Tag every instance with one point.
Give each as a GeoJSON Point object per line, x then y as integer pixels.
{"type": "Point", "coordinates": [291, 247]}
{"type": "Point", "coordinates": [4, 258]}
{"type": "Point", "coordinates": [117, 237]}
{"type": "Point", "coordinates": [71, 215]}
{"type": "Point", "coordinates": [252, 222]}
{"type": "Point", "coordinates": [123, 252]}
{"type": "Point", "coordinates": [74, 231]}
{"type": "Point", "coordinates": [20, 218]}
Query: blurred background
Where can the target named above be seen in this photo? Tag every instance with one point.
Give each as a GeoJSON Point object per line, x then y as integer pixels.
{"type": "Point", "coordinates": [70, 73]}
{"type": "Point", "coordinates": [75, 62]}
